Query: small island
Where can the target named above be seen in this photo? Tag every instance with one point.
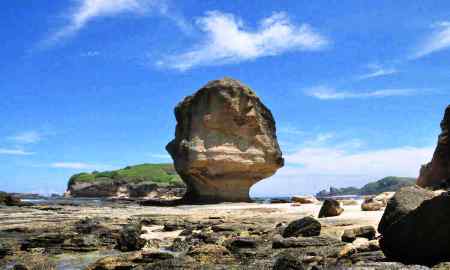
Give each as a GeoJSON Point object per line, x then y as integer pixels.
{"type": "Point", "coordinates": [144, 180]}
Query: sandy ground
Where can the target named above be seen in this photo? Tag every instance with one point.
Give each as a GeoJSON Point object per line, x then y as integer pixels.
{"type": "Point", "coordinates": [13, 217]}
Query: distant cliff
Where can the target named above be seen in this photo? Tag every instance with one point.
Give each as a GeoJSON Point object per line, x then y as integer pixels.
{"type": "Point", "coordinates": [145, 180]}
{"type": "Point", "coordinates": [390, 183]}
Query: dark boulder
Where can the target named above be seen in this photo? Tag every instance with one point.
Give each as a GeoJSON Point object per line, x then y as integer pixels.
{"type": "Point", "coordinates": [418, 235]}
{"type": "Point", "coordinates": [5, 249]}
{"type": "Point", "coordinates": [307, 226]}
{"type": "Point", "coordinates": [130, 238]}
{"type": "Point", "coordinates": [404, 201]}
{"type": "Point", "coordinates": [330, 208]}
{"type": "Point", "coordinates": [287, 261]}
{"type": "Point", "coordinates": [241, 242]}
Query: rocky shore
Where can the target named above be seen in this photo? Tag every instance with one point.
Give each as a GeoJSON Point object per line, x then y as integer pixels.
{"type": "Point", "coordinates": [124, 235]}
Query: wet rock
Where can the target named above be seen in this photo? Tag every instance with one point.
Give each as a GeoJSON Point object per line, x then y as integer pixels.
{"type": "Point", "coordinates": [49, 241]}
{"type": "Point", "coordinates": [87, 225]}
{"type": "Point", "coordinates": [81, 243]}
{"type": "Point", "coordinates": [210, 253]}
{"type": "Point", "coordinates": [225, 142]}
{"type": "Point", "coordinates": [121, 262]}
{"type": "Point", "coordinates": [175, 226]}
{"type": "Point", "coordinates": [330, 208]}
{"type": "Point", "coordinates": [242, 242]}
{"type": "Point", "coordinates": [288, 262]}
{"type": "Point", "coordinates": [304, 199]}
{"type": "Point", "coordinates": [177, 263]}
{"type": "Point", "coordinates": [21, 267]}
{"type": "Point", "coordinates": [151, 256]}
{"type": "Point", "coordinates": [350, 235]}
{"type": "Point", "coordinates": [180, 245]}
{"type": "Point", "coordinates": [130, 238]}
{"type": "Point", "coordinates": [5, 249]}
{"type": "Point", "coordinates": [307, 226]}
{"type": "Point", "coordinates": [314, 241]}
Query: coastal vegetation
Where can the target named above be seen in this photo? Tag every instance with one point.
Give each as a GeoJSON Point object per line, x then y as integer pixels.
{"type": "Point", "coordinates": [162, 174]}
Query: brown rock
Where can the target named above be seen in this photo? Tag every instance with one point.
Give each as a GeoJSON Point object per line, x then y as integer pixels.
{"type": "Point", "coordinates": [350, 235]}
{"type": "Point", "coordinates": [225, 142]}
{"type": "Point", "coordinates": [330, 208]}
{"type": "Point", "coordinates": [371, 204]}
{"type": "Point", "coordinates": [437, 172]}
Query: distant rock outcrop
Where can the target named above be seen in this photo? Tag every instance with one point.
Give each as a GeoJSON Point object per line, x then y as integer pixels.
{"type": "Point", "coordinates": [225, 142]}
{"type": "Point", "coordinates": [437, 172]}
{"type": "Point", "coordinates": [11, 200]}
{"type": "Point", "coordinates": [386, 184]}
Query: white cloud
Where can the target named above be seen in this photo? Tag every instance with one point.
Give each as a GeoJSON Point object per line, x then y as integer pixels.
{"type": "Point", "coordinates": [313, 168]}
{"type": "Point", "coordinates": [376, 70]}
{"type": "Point", "coordinates": [87, 10]}
{"type": "Point", "coordinates": [228, 40]}
{"type": "Point", "coordinates": [26, 137]}
{"type": "Point", "coordinates": [90, 54]}
{"type": "Point", "coordinates": [160, 156]}
{"type": "Point", "coordinates": [290, 129]}
{"type": "Point", "coordinates": [327, 93]}
{"type": "Point", "coordinates": [14, 152]}
{"type": "Point", "coordinates": [76, 165]}
{"type": "Point", "coordinates": [437, 41]}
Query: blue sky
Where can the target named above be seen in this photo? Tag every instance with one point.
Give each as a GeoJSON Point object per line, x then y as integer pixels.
{"type": "Point", "coordinates": [357, 88]}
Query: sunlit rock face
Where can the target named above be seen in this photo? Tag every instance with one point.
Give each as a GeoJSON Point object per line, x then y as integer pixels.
{"type": "Point", "coordinates": [225, 142]}
{"type": "Point", "coordinates": [437, 172]}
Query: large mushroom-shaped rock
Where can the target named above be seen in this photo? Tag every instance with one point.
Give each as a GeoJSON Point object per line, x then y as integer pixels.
{"type": "Point", "coordinates": [225, 142]}
{"type": "Point", "coordinates": [437, 172]}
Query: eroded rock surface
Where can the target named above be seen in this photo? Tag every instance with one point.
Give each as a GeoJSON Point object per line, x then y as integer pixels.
{"type": "Point", "coordinates": [437, 172]}
{"type": "Point", "coordinates": [225, 142]}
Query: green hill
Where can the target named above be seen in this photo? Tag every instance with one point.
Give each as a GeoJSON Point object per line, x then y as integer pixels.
{"type": "Point", "coordinates": [390, 183]}
{"type": "Point", "coordinates": [160, 174]}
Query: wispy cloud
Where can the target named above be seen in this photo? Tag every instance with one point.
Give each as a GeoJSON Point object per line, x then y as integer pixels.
{"type": "Point", "coordinates": [228, 40]}
{"type": "Point", "coordinates": [160, 156]}
{"type": "Point", "coordinates": [27, 137]}
{"type": "Point", "coordinates": [14, 152]}
{"type": "Point", "coordinates": [289, 129]}
{"type": "Point", "coordinates": [76, 165]}
{"type": "Point", "coordinates": [438, 40]}
{"type": "Point", "coordinates": [377, 70]}
{"type": "Point", "coordinates": [327, 93]}
{"type": "Point", "coordinates": [85, 11]}
{"type": "Point", "coordinates": [326, 161]}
